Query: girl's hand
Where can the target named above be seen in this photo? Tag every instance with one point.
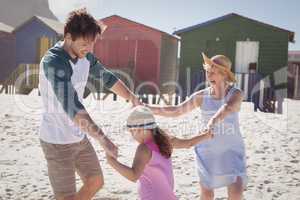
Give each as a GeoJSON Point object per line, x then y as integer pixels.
{"type": "Point", "coordinates": [110, 148]}
{"type": "Point", "coordinates": [210, 125]}
{"type": "Point", "coordinates": [208, 134]}
{"type": "Point", "coordinates": [109, 158]}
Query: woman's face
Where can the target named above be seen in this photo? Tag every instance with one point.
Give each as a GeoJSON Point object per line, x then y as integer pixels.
{"type": "Point", "coordinates": [214, 76]}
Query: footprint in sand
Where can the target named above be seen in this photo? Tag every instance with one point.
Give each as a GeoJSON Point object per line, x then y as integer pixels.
{"type": "Point", "coordinates": [6, 127]}
{"type": "Point", "coordinates": [259, 152]}
{"type": "Point", "coordinates": [267, 182]}
{"type": "Point", "coordinates": [294, 161]}
{"type": "Point", "coordinates": [8, 162]}
{"type": "Point", "coordinates": [260, 186]}
{"type": "Point", "coordinates": [277, 159]}
{"type": "Point", "coordinates": [122, 192]}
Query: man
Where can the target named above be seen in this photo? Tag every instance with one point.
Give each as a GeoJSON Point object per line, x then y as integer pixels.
{"type": "Point", "coordinates": [64, 71]}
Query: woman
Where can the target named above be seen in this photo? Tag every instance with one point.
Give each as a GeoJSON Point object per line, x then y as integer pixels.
{"type": "Point", "coordinates": [220, 161]}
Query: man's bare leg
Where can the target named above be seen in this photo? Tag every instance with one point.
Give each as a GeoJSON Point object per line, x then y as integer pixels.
{"type": "Point", "coordinates": [90, 187]}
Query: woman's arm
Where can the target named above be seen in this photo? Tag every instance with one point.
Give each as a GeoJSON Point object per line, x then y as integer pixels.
{"type": "Point", "coordinates": [174, 111]}
{"type": "Point", "coordinates": [233, 105]}
{"type": "Point", "coordinates": [142, 157]}
{"type": "Point", "coordinates": [187, 143]}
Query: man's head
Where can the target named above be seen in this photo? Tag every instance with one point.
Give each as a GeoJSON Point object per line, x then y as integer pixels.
{"type": "Point", "coordinates": [80, 32]}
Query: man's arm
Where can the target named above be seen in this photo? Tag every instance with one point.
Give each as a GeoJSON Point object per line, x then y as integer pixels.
{"type": "Point", "coordinates": [122, 90]}
{"type": "Point", "coordinates": [99, 73]}
{"type": "Point", "coordinates": [83, 120]}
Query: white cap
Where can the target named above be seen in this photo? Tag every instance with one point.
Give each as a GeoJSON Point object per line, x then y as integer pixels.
{"type": "Point", "coordinates": [141, 117]}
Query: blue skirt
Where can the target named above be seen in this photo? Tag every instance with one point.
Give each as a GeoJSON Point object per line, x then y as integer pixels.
{"type": "Point", "coordinates": [220, 161]}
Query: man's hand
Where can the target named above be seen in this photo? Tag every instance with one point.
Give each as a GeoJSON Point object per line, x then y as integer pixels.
{"type": "Point", "coordinates": [136, 101]}
{"type": "Point", "coordinates": [120, 89]}
{"type": "Point", "coordinates": [109, 147]}
{"type": "Point", "coordinates": [109, 158]}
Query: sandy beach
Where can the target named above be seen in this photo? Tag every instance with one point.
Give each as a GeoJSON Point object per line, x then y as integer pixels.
{"type": "Point", "coordinates": [272, 143]}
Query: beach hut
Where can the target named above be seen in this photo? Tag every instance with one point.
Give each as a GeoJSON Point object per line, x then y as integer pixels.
{"type": "Point", "coordinates": [33, 28]}
{"type": "Point", "coordinates": [294, 75]}
{"type": "Point", "coordinates": [29, 37]}
{"type": "Point", "coordinates": [7, 49]}
{"type": "Point", "coordinates": [253, 46]}
{"type": "Point", "coordinates": [32, 39]}
{"type": "Point", "coordinates": [144, 56]}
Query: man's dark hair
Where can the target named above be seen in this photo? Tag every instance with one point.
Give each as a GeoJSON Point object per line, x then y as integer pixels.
{"type": "Point", "coordinates": [81, 24]}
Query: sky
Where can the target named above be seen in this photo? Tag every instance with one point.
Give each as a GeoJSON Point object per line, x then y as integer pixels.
{"type": "Point", "coordinates": [171, 15]}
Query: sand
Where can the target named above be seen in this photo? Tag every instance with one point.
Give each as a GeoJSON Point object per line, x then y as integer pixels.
{"type": "Point", "coordinates": [272, 143]}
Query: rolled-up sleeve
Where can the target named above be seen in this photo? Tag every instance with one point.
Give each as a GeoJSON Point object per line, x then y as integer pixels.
{"type": "Point", "coordinates": [100, 73]}
{"type": "Point", "coordinates": [59, 75]}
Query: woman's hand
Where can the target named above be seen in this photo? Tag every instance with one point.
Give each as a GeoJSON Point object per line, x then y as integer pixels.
{"type": "Point", "coordinates": [210, 125]}
{"type": "Point", "coordinates": [208, 134]}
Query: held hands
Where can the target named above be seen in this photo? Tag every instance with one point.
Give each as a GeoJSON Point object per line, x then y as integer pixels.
{"type": "Point", "coordinates": [110, 159]}
{"type": "Point", "coordinates": [210, 125]}
{"type": "Point", "coordinates": [208, 134]}
{"type": "Point", "coordinates": [109, 147]}
{"type": "Point", "coordinates": [136, 101]}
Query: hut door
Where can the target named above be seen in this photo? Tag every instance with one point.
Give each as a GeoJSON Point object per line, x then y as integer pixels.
{"type": "Point", "coordinates": [246, 53]}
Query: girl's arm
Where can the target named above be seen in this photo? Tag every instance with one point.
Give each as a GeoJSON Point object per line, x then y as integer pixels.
{"type": "Point", "coordinates": [187, 143]}
{"type": "Point", "coordinates": [142, 157]}
{"type": "Point", "coordinates": [233, 105]}
{"type": "Point", "coordinates": [174, 111]}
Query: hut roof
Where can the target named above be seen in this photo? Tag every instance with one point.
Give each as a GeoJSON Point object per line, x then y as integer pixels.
{"type": "Point", "coordinates": [5, 28]}
{"type": "Point", "coordinates": [204, 24]}
{"type": "Point", "coordinates": [56, 26]}
{"type": "Point", "coordinates": [140, 24]}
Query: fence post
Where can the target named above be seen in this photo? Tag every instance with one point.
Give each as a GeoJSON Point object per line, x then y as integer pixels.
{"type": "Point", "coordinates": [296, 82]}
{"type": "Point", "coordinates": [246, 83]}
{"type": "Point", "coordinates": [261, 94]}
{"type": "Point", "coordinates": [114, 97]}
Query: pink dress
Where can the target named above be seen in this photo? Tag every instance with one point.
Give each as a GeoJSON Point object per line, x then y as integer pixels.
{"type": "Point", "coordinates": [156, 181]}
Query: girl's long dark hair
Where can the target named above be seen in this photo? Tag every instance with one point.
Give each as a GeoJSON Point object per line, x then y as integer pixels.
{"type": "Point", "coordinates": [162, 140]}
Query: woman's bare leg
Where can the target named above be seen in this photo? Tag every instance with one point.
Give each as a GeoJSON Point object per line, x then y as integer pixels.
{"type": "Point", "coordinates": [235, 190]}
{"type": "Point", "coordinates": [206, 194]}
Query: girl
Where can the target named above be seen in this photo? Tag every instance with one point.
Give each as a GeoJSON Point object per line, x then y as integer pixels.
{"type": "Point", "coordinates": [152, 165]}
{"type": "Point", "coordinates": [220, 161]}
